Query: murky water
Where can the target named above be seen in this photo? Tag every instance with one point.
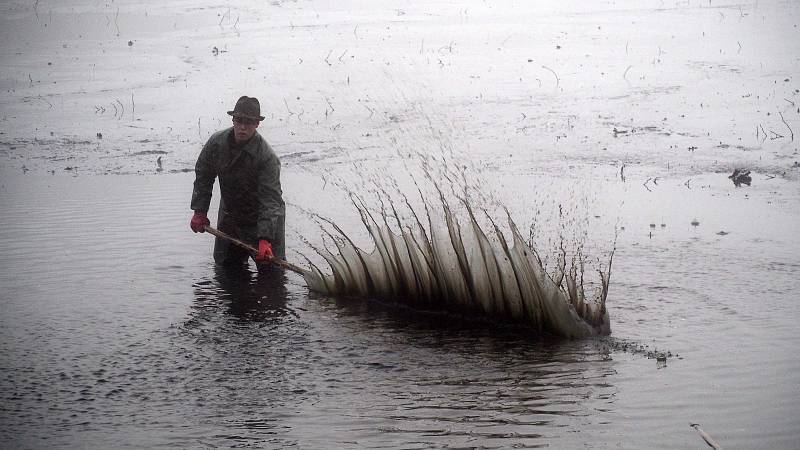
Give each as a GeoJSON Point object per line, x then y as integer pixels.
{"type": "Point", "coordinates": [117, 329]}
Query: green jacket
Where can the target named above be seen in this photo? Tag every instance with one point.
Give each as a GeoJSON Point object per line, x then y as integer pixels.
{"type": "Point", "coordinates": [249, 181]}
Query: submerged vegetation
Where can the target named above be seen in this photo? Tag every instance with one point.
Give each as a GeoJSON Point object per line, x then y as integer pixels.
{"type": "Point", "coordinates": [441, 248]}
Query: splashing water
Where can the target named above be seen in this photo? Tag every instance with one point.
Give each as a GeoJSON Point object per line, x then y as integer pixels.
{"type": "Point", "coordinates": [438, 256]}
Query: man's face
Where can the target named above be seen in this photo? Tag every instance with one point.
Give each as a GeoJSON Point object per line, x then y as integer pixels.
{"type": "Point", "coordinates": [244, 129]}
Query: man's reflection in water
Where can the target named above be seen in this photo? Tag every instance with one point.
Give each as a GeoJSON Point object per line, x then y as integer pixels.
{"type": "Point", "coordinates": [234, 374]}
{"type": "Point", "coordinates": [244, 294]}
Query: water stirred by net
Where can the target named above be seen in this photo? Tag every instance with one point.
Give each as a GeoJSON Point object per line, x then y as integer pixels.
{"type": "Point", "coordinates": [439, 242]}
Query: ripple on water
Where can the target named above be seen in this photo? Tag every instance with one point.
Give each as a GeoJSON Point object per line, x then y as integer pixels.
{"type": "Point", "coordinates": [103, 345]}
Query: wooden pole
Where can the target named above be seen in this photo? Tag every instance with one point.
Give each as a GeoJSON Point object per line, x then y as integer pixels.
{"type": "Point", "coordinates": [276, 261]}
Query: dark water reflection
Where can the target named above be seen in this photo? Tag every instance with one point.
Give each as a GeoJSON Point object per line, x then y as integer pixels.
{"type": "Point", "coordinates": [243, 294]}
{"type": "Point", "coordinates": [386, 376]}
{"type": "Point", "coordinates": [125, 335]}
{"type": "Point", "coordinates": [350, 373]}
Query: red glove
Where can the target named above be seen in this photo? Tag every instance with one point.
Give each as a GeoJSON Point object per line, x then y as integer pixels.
{"type": "Point", "coordinates": [264, 251]}
{"type": "Point", "coordinates": [199, 221]}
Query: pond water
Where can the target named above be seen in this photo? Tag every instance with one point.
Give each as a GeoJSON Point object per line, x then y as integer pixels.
{"type": "Point", "coordinates": [117, 330]}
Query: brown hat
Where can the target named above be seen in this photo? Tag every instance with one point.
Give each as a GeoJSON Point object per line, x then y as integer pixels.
{"type": "Point", "coordinates": [247, 107]}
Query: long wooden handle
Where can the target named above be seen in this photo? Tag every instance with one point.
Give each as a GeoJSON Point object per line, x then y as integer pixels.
{"type": "Point", "coordinates": [254, 251]}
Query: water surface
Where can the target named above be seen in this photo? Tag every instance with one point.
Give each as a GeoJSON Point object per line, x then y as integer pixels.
{"type": "Point", "coordinates": [117, 329]}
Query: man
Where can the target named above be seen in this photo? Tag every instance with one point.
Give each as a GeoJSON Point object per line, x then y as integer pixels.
{"type": "Point", "coordinates": [251, 208]}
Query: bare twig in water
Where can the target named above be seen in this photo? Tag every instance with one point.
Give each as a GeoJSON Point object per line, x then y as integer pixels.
{"type": "Point", "coordinates": [199, 134]}
{"type": "Point", "coordinates": [287, 107]}
{"type": "Point", "coordinates": [687, 183]}
{"type": "Point", "coordinates": [45, 100]}
{"type": "Point", "coordinates": [774, 135]}
{"type": "Point", "coordinates": [787, 125]}
{"type": "Point", "coordinates": [342, 55]}
{"type": "Point", "coordinates": [625, 75]}
{"type": "Point", "coordinates": [645, 184]}
{"type": "Point", "coordinates": [554, 74]}
{"type": "Point", "coordinates": [329, 55]}
{"type": "Point", "coordinates": [227, 14]}
{"type": "Point", "coordinates": [371, 112]}
{"type": "Point", "coordinates": [329, 104]}
{"type": "Point", "coordinates": [763, 133]}
{"type": "Point", "coordinates": [705, 436]}
{"type": "Point", "coordinates": [622, 173]}
{"type": "Point", "coordinates": [133, 108]}
{"type": "Point", "coordinates": [122, 113]}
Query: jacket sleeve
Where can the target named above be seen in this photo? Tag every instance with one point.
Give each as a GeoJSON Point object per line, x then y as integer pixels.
{"type": "Point", "coordinates": [271, 208]}
{"type": "Point", "coordinates": [205, 171]}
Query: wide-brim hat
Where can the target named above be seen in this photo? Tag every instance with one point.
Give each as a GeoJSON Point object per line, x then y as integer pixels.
{"type": "Point", "coordinates": [248, 108]}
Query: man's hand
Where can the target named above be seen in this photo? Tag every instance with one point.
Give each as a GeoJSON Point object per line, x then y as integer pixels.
{"type": "Point", "coordinates": [264, 251]}
{"type": "Point", "coordinates": [199, 221]}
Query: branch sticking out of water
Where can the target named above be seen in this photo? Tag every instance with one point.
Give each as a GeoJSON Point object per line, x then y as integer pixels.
{"type": "Point", "coordinates": [50, 105]}
{"type": "Point", "coordinates": [711, 443]}
{"type": "Point", "coordinates": [625, 74]}
{"type": "Point", "coordinates": [287, 107]}
{"type": "Point", "coordinates": [122, 107]}
{"type": "Point", "coordinates": [227, 14]}
{"type": "Point", "coordinates": [787, 125]}
{"type": "Point", "coordinates": [763, 133]}
{"type": "Point", "coordinates": [554, 74]}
